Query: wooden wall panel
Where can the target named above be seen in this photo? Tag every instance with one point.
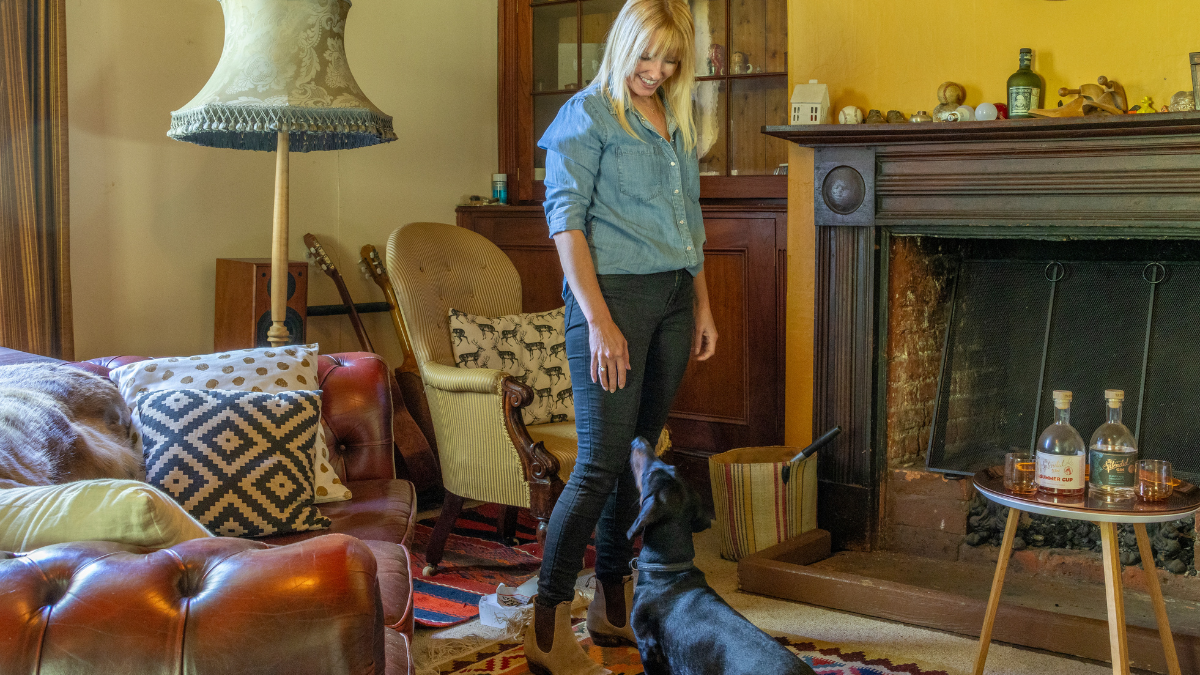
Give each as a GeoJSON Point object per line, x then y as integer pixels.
{"type": "Point", "coordinates": [718, 389]}
{"type": "Point", "coordinates": [736, 398]}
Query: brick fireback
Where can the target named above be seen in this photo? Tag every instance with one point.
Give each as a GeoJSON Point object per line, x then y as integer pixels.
{"type": "Point", "coordinates": [919, 273]}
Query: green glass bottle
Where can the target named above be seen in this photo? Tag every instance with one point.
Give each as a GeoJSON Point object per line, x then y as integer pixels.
{"type": "Point", "coordinates": [1024, 88]}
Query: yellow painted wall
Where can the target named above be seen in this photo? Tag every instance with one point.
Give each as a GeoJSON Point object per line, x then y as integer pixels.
{"type": "Point", "coordinates": [150, 215]}
{"type": "Point", "coordinates": [893, 55]}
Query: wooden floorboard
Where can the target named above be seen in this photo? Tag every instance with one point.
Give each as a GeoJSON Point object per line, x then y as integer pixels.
{"type": "Point", "coordinates": [791, 571]}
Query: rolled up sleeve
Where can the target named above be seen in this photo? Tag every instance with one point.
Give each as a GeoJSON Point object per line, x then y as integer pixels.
{"type": "Point", "coordinates": [573, 144]}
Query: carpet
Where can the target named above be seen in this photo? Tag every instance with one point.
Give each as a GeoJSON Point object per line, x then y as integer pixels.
{"type": "Point", "coordinates": [473, 564]}
{"type": "Point", "coordinates": [507, 657]}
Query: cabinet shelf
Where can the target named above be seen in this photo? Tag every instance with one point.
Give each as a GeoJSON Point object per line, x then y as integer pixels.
{"type": "Point", "coordinates": [739, 76]}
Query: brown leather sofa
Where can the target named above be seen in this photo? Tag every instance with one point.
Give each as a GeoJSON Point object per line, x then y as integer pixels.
{"type": "Point", "coordinates": [333, 601]}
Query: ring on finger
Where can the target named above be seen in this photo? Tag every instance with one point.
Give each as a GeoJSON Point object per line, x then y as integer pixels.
{"type": "Point", "coordinates": [602, 369]}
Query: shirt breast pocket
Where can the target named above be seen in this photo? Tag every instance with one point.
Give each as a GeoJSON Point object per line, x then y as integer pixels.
{"type": "Point", "coordinates": [637, 172]}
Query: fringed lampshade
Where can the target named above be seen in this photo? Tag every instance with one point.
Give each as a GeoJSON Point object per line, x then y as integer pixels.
{"type": "Point", "coordinates": [283, 84]}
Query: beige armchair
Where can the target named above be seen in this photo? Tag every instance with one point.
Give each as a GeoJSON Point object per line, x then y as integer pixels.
{"type": "Point", "coordinates": [485, 450]}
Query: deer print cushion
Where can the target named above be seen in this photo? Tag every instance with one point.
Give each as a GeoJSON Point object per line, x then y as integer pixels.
{"type": "Point", "coordinates": [530, 347]}
{"type": "Point", "coordinates": [266, 369]}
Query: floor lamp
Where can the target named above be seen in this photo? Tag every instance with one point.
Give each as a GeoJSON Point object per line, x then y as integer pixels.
{"type": "Point", "coordinates": [282, 84]}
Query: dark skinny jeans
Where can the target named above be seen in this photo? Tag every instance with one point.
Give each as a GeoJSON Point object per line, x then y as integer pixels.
{"type": "Point", "coordinates": [654, 313]}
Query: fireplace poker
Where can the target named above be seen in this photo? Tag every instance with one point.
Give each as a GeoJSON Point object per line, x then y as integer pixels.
{"type": "Point", "coordinates": [810, 450]}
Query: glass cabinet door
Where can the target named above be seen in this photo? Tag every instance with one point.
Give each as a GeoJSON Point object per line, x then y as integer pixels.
{"type": "Point", "coordinates": [741, 73]}
{"type": "Point", "coordinates": [555, 43]}
{"type": "Point", "coordinates": [741, 65]}
{"type": "Point", "coordinates": [568, 43]}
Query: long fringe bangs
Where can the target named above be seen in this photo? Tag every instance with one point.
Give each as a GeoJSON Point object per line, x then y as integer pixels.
{"type": "Point", "coordinates": [652, 27]}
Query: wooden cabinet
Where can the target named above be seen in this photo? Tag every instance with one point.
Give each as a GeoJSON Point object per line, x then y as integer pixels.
{"type": "Point", "coordinates": [734, 399]}
{"type": "Point", "coordinates": [550, 49]}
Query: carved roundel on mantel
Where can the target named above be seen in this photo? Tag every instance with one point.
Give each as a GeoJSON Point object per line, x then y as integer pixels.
{"type": "Point", "coordinates": [844, 190]}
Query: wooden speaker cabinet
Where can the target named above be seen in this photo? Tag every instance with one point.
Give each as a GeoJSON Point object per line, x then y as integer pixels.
{"type": "Point", "coordinates": [243, 303]}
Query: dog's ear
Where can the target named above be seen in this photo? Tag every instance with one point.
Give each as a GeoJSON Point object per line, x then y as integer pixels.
{"type": "Point", "coordinates": [652, 512]}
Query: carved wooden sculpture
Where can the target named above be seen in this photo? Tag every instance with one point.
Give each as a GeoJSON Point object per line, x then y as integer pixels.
{"type": "Point", "coordinates": [1106, 97]}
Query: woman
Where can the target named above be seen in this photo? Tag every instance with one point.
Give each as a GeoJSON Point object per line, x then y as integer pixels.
{"type": "Point", "coordinates": [622, 201]}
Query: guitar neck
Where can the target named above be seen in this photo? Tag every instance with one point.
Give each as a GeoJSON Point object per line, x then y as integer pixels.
{"type": "Point", "coordinates": [363, 340]}
{"type": "Point", "coordinates": [380, 276]}
{"type": "Point", "coordinates": [332, 272]}
{"type": "Point", "coordinates": [410, 358]}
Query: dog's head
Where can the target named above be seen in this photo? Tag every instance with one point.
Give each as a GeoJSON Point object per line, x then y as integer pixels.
{"type": "Point", "coordinates": [664, 494]}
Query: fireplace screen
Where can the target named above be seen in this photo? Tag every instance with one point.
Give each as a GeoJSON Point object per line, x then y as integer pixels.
{"type": "Point", "coordinates": [1021, 329]}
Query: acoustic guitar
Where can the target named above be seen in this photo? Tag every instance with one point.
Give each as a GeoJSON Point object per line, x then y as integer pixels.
{"type": "Point", "coordinates": [409, 373]}
{"type": "Point", "coordinates": [407, 435]}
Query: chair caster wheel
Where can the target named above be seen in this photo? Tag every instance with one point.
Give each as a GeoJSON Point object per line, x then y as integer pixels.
{"type": "Point", "coordinates": [429, 571]}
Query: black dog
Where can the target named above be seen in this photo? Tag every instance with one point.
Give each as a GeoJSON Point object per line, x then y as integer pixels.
{"type": "Point", "coordinates": [683, 627]}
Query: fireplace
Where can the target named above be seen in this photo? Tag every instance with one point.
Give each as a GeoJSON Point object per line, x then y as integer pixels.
{"type": "Point", "coordinates": [981, 330]}
{"type": "Point", "coordinates": [917, 225]}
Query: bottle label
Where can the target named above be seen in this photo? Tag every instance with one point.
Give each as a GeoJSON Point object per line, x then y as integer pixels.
{"type": "Point", "coordinates": [1113, 469]}
{"type": "Point", "coordinates": [1061, 472]}
{"type": "Point", "coordinates": [1022, 99]}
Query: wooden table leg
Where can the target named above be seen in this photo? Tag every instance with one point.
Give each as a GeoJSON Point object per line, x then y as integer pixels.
{"type": "Point", "coordinates": [1116, 603]}
{"type": "Point", "coordinates": [985, 634]}
{"type": "Point", "coordinates": [1160, 608]}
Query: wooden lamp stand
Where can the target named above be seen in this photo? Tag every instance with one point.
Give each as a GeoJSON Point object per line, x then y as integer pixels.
{"type": "Point", "coordinates": [278, 334]}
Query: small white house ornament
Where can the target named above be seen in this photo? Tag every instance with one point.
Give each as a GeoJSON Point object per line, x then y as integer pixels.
{"type": "Point", "coordinates": [810, 103]}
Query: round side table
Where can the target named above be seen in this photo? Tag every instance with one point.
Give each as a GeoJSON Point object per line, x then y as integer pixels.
{"type": "Point", "coordinates": [990, 484]}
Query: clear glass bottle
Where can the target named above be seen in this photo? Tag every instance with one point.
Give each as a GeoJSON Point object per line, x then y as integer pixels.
{"type": "Point", "coordinates": [1061, 454]}
{"type": "Point", "coordinates": [1112, 454]}
{"type": "Point", "coordinates": [1024, 88]}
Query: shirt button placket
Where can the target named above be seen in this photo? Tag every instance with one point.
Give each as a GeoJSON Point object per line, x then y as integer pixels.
{"type": "Point", "coordinates": [680, 208]}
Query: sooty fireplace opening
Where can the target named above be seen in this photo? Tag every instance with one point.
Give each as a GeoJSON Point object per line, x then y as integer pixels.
{"type": "Point", "coordinates": [982, 330]}
{"type": "Point", "coordinates": [983, 401]}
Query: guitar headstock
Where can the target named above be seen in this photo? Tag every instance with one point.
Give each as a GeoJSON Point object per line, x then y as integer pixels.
{"type": "Point", "coordinates": [373, 264]}
{"type": "Point", "coordinates": [318, 254]}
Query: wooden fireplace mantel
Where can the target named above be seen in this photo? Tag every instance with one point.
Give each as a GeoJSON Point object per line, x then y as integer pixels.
{"type": "Point", "coordinates": [1103, 178]}
{"type": "Point", "coordinates": [1046, 129]}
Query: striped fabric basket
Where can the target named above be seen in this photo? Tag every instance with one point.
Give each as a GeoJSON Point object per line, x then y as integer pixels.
{"type": "Point", "coordinates": [761, 498]}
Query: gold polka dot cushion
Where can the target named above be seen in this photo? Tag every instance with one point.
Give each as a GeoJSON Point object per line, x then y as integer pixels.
{"type": "Point", "coordinates": [266, 369]}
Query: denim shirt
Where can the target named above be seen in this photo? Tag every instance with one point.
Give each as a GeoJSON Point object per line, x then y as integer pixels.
{"type": "Point", "coordinates": [636, 199]}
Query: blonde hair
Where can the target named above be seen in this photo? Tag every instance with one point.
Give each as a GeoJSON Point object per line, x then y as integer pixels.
{"type": "Point", "coordinates": [654, 28]}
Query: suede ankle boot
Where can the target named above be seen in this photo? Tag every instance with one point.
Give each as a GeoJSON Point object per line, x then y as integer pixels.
{"type": "Point", "coordinates": [565, 656]}
{"type": "Point", "coordinates": [603, 631]}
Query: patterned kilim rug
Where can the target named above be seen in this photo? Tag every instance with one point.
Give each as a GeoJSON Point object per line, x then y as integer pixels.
{"type": "Point", "coordinates": [473, 564]}
{"type": "Point", "coordinates": [507, 657]}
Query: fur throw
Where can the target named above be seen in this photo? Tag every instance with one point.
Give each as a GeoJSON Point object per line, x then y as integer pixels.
{"type": "Point", "coordinates": [59, 424]}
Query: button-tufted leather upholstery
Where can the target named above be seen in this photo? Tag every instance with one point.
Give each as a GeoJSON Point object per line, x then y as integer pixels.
{"type": "Point", "coordinates": [222, 605]}
{"type": "Point", "coordinates": [218, 605]}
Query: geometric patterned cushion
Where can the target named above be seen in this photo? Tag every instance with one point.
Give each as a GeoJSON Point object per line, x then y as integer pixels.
{"type": "Point", "coordinates": [269, 369]}
{"type": "Point", "coordinates": [240, 462]}
{"type": "Point", "coordinates": [530, 347]}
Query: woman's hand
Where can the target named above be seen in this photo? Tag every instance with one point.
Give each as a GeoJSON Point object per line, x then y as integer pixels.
{"type": "Point", "coordinates": [610, 354]}
{"type": "Point", "coordinates": [704, 341]}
